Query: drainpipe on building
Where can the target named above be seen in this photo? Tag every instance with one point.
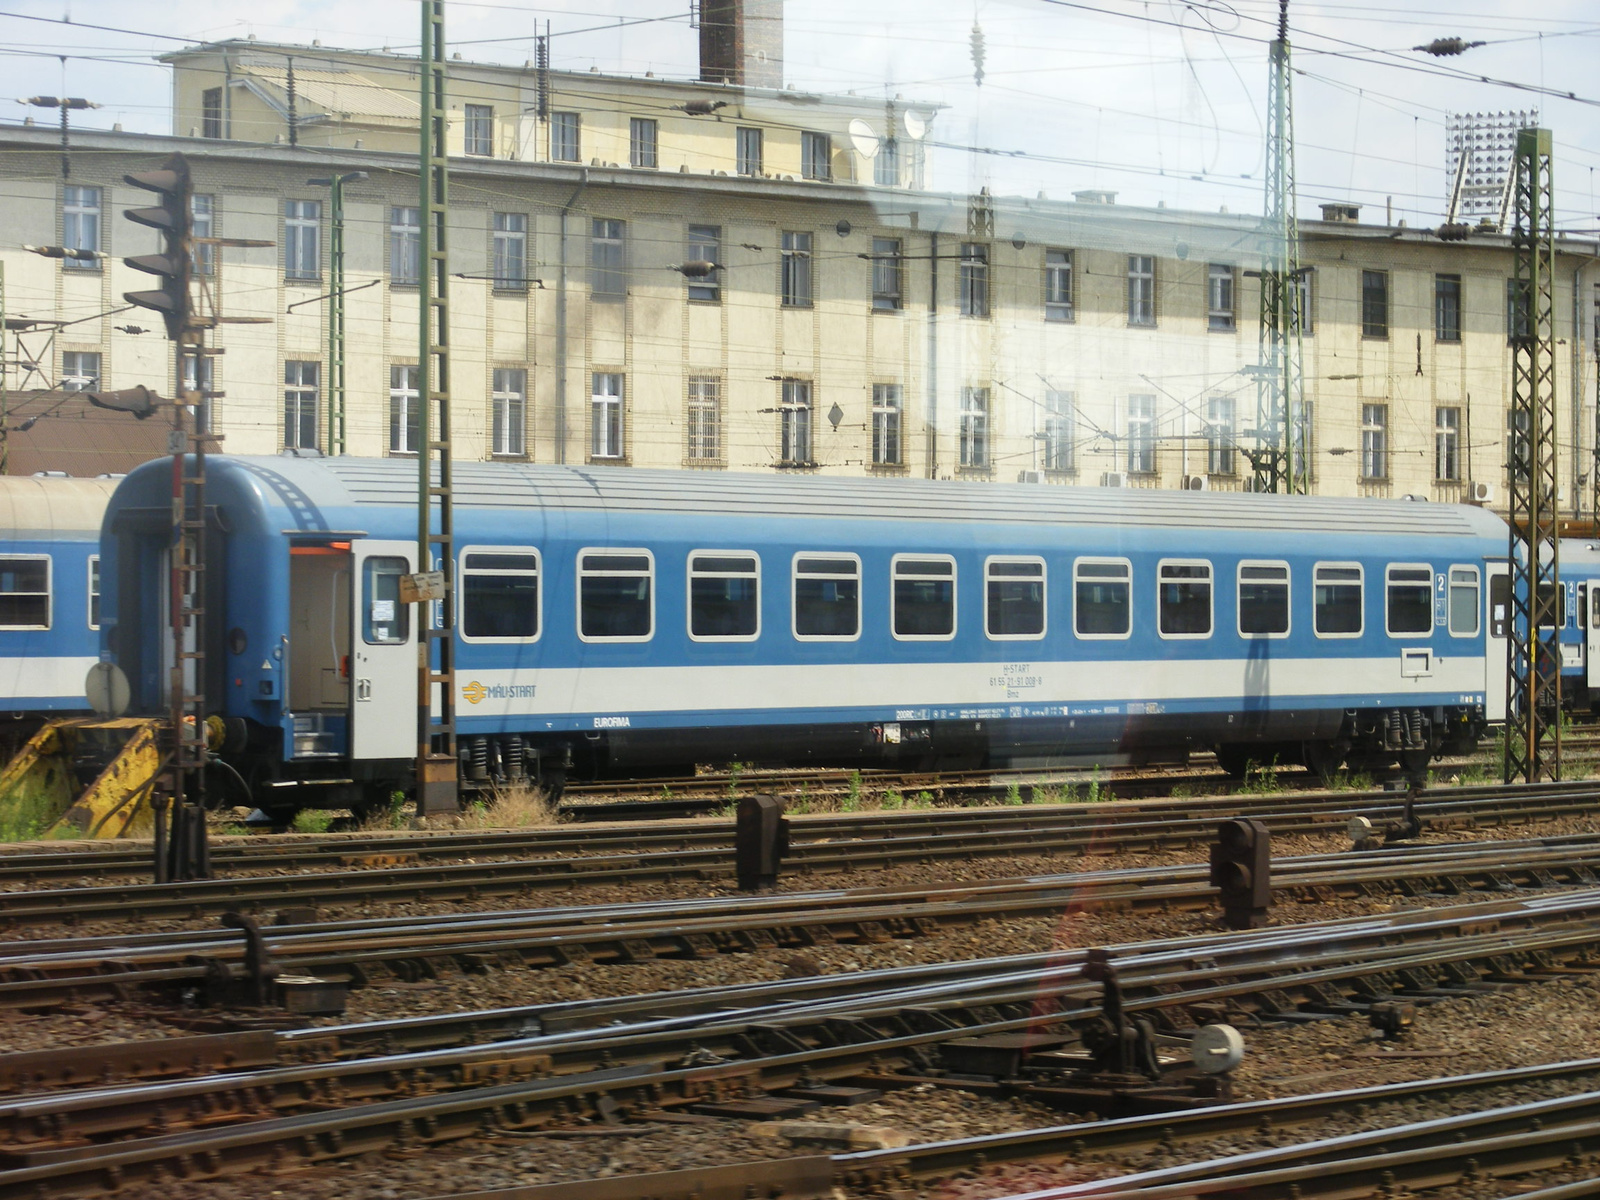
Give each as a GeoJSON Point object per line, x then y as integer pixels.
{"type": "Point", "coordinates": [561, 321]}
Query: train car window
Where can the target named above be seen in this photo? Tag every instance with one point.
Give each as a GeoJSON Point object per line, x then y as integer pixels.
{"type": "Point", "coordinates": [1594, 607]}
{"type": "Point", "coordinates": [94, 591]}
{"type": "Point", "coordinates": [1263, 600]}
{"type": "Point", "coordinates": [616, 595]}
{"type": "Point", "coordinates": [1336, 600]}
{"type": "Point", "coordinates": [1463, 607]}
{"type": "Point", "coordinates": [724, 597]}
{"type": "Point", "coordinates": [1013, 594]}
{"type": "Point", "coordinates": [500, 595]}
{"type": "Point", "coordinates": [1102, 598]}
{"type": "Point", "coordinates": [25, 592]}
{"type": "Point", "coordinates": [1183, 599]}
{"type": "Point", "coordinates": [1581, 595]}
{"type": "Point", "coordinates": [1409, 599]}
{"type": "Point", "coordinates": [1499, 605]}
{"type": "Point", "coordinates": [827, 597]}
{"type": "Point", "coordinates": [924, 597]}
{"type": "Point", "coordinates": [384, 620]}
{"type": "Point", "coordinates": [1552, 604]}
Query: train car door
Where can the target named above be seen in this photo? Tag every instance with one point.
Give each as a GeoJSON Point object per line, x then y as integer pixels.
{"type": "Point", "coordinates": [1498, 629]}
{"type": "Point", "coordinates": [383, 659]}
{"type": "Point", "coordinates": [1591, 636]}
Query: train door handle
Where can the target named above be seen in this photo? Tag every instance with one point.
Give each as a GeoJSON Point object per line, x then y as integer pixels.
{"type": "Point", "coordinates": [363, 689]}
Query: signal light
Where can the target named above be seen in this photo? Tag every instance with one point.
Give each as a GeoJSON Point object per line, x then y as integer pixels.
{"type": "Point", "coordinates": [174, 266]}
{"type": "Point", "coordinates": [1241, 871]}
{"type": "Point", "coordinates": [140, 401]}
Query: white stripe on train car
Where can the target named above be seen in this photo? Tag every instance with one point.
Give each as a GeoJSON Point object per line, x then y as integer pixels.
{"type": "Point", "coordinates": [767, 688]}
{"type": "Point", "coordinates": [27, 683]}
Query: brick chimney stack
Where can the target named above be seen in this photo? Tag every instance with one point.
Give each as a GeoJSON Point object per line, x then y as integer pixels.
{"type": "Point", "coordinates": [741, 41]}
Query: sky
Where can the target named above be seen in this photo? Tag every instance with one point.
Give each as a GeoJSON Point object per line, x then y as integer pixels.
{"type": "Point", "coordinates": [1159, 100]}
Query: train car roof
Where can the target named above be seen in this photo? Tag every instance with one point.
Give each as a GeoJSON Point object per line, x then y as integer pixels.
{"type": "Point", "coordinates": [303, 483]}
{"type": "Point", "coordinates": [1580, 551]}
{"type": "Point", "coordinates": [48, 508]}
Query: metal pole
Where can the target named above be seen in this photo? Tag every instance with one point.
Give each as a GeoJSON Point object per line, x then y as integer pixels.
{"type": "Point", "coordinates": [437, 773]}
{"type": "Point", "coordinates": [5, 395]}
{"type": "Point", "coordinates": [335, 388]}
{"type": "Point", "coordinates": [1533, 667]}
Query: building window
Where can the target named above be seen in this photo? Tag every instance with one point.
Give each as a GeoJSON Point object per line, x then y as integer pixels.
{"type": "Point", "coordinates": [201, 211]}
{"type": "Point", "coordinates": [816, 155]}
{"type": "Point", "coordinates": [705, 418]}
{"type": "Point", "coordinates": [405, 409]}
{"type": "Point", "coordinates": [480, 130]}
{"type": "Point", "coordinates": [80, 371]}
{"type": "Point", "coordinates": [300, 379]}
{"type": "Point", "coordinates": [1447, 308]}
{"type": "Point", "coordinates": [607, 280]}
{"type": "Point", "coordinates": [886, 166]}
{"type": "Point", "coordinates": [80, 225]}
{"type": "Point", "coordinates": [705, 246]}
{"type": "Point", "coordinates": [1219, 296]}
{"type": "Point", "coordinates": [748, 145]}
{"type": "Point", "coordinates": [1375, 304]}
{"type": "Point", "coordinates": [509, 411]}
{"type": "Point", "coordinates": [1057, 437]}
{"type": "Point", "coordinates": [827, 598]}
{"type": "Point", "coordinates": [500, 595]}
{"type": "Point", "coordinates": [405, 245]}
{"type": "Point", "coordinates": [1058, 285]}
{"type": "Point", "coordinates": [794, 423]}
{"type": "Point", "coordinates": [974, 279]}
{"type": "Point", "coordinates": [511, 251]}
{"type": "Point", "coordinates": [302, 239]}
{"type": "Point", "coordinates": [795, 270]}
{"type": "Point", "coordinates": [605, 412]}
{"type": "Point", "coordinates": [564, 137]}
{"type": "Point", "coordinates": [1141, 435]}
{"type": "Point", "coordinates": [642, 136]}
{"type": "Point", "coordinates": [1374, 441]}
{"type": "Point", "coordinates": [975, 427]}
{"type": "Point", "coordinates": [724, 597]}
{"type": "Point", "coordinates": [1519, 307]}
{"type": "Point", "coordinates": [25, 592]}
{"type": "Point", "coordinates": [211, 113]}
{"type": "Point", "coordinates": [1219, 435]}
{"type": "Point", "coordinates": [199, 373]}
{"type": "Point", "coordinates": [1141, 289]}
{"type": "Point", "coordinates": [886, 424]}
{"type": "Point", "coordinates": [1447, 443]}
{"type": "Point", "coordinates": [886, 274]}
{"type": "Point", "coordinates": [616, 601]}
{"type": "Point", "coordinates": [1302, 298]}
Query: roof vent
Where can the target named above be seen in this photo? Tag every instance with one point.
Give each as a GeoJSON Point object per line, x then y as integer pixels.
{"type": "Point", "coordinates": [1342, 214]}
{"type": "Point", "coordinates": [1095, 196]}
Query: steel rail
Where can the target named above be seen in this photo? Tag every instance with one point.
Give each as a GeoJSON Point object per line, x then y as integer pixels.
{"type": "Point", "coordinates": [639, 1086]}
{"type": "Point", "coordinates": [44, 975]}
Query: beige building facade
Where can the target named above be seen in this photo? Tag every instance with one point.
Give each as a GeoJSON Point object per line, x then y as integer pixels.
{"type": "Point", "coordinates": [850, 322]}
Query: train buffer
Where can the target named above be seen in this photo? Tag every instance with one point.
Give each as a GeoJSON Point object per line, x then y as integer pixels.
{"type": "Point", "coordinates": [84, 777]}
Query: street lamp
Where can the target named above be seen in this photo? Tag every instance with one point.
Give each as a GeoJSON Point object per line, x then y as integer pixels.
{"type": "Point", "coordinates": [335, 388]}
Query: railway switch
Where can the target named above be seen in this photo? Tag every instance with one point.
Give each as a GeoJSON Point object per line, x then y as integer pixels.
{"type": "Point", "coordinates": [760, 840]}
{"type": "Point", "coordinates": [1241, 871]}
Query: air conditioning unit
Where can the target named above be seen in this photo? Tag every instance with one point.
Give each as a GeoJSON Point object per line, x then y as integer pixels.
{"type": "Point", "coordinates": [1196, 483]}
{"type": "Point", "coordinates": [1113, 479]}
{"type": "Point", "coordinates": [1030, 476]}
{"type": "Point", "coordinates": [1481, 493]}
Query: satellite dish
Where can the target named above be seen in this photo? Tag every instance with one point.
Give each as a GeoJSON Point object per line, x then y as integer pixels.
{"type": "Point", "coordinates": [864, 140]}
{"type": "Point", "coordinates": [107, 690]}
{"type": "Point", "coordinates": [916, 125]}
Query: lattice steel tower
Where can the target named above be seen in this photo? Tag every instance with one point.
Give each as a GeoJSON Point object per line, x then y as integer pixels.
{"type": "Point", "coordinates": [1533, 663]}
{"type": "Point", "coordinates": [1279, 459]}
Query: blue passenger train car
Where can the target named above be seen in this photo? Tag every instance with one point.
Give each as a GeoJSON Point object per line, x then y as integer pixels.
{"type": "Point", "coordinates": [49, 595]}
{"type": "Point", "coordinates": [615, 621]}
{"type": "Point", "coordinates": [1579, 633]}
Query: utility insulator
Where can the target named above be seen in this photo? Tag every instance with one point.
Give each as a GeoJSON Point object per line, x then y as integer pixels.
{"type": "Point", "coordinates": [977, 54]}
{"type": "Point", "coordinates": [1452, 232]}
{"type": "Point", "coordinates": [1447, 47]}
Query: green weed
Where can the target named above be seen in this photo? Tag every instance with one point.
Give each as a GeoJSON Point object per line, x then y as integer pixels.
{"type": "Point", "coordinates": [893, 799]}
{"type": "Point", "coordinates": [923, 800]}
{"type": "Point", "coordinates": [1013, 793]}
{"type": "Point", "coordinates": [852, 798]}
{"type": "Point", "coordinates": [1261, 780]}
{"type": "Point", "coordinates": [312, 820]}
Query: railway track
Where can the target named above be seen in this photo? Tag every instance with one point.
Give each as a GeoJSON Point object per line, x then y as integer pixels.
{"type": "Point", "coordinates": [81, 1142]}
{"type": "Point", "coordinates": [397, 868]}
{"type": "Point", "coordinates": [38, 974]}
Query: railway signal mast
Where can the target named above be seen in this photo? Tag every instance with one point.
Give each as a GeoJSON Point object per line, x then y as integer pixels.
{"type": "Point", "coordinates": [1533, 663]}
{"type": "Point", "coordinates": [1279, 458]}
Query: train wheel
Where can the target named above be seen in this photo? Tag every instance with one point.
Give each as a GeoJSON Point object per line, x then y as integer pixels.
{"type": "Point", "coordinates": [1325, 759]}
{"type": "Point", "coordinates": [1234, 758]}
